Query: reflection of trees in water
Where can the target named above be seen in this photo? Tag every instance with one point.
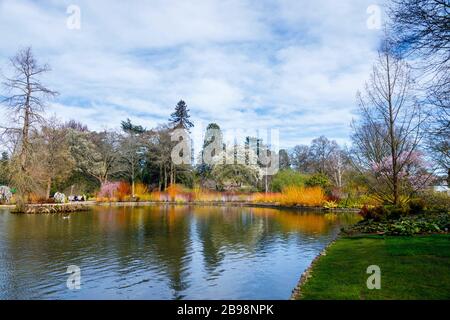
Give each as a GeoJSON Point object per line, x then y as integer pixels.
{"type": "Point", "coordinates": [38, 250]}
{"type": "Point", "coordinates": [122, 239]}
{"type": "Point", "coordinates": [145, 241]}
{"type": "Point", "coordinates": [224, 230]}
{"type": "Point", "coordinates": [212, 253]}
{"type": "Point", "coordinates": [264, 220]}
{"type": "Point", "coordinates": [157, 235]}
{"type": "Point", "coordinates": [308, 223]}
{"type": "Point", "coordinates": [167, 233]}
{"type": "Point", "coordinates": [228, 226]}
{"type": "Point", "coordinates": [232, 229]}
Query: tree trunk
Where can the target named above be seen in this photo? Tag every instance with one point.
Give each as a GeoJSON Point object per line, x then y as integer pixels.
{"type": "Point", "coordinates": [160, 178]}
{"type": "Point", "coordinates": [448, 177]}
{"type": "Point", "coordinates": [265, 183]}
{"type": "Point", "coordinates": [49, 186]}
{"type": "Point", "coordinates": [392, 137]}
{"type": "Point", "coordinates": [165, 178]}
{"type": "Point", "coordinates": [171, 173]}
{"type": "Point", "coordinates": [25, 128]}
{"type": "Point", "coordinates": [132, 178]}
{"type": "Point", "coordinates": [339, 177]}
{"type": "Point", "coordinates": [24, 149]}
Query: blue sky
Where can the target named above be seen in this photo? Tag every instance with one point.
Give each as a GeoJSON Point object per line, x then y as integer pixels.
{"type": "Point", "coordinates": [289, 65]}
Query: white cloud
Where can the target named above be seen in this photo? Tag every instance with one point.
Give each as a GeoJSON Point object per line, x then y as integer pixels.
{"type": "Point", "coordinates": [288, 64]}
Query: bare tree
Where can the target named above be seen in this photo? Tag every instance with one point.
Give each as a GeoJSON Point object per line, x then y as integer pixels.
{"type": "Point", "coordinates": [26, 96]}
{"type": "Point", "coordinates": [53, 158]}
{"type": "Point", "coordinates": [159, 145]}
{"type": "Point", "coordinates": [320, 152]}
{"type": "Point", "coordinates": [96, 153]}
{"type": "Point", "coordinates": [75, 125]}
{"type": "Point", "coordinates": [336, 166]}
{"type": "Point", "coordinates": [131, 148]}
{"type": "Point", "coordinates": [389, 130]}
{"type": "Point", "coordinates": [422, 29]}
{"type": "Point", "coordinates": [25, 101]}
{"type": "Point", "coordinates": [300, 158]}
{"type": "Point", "coordinates": [285, 162]}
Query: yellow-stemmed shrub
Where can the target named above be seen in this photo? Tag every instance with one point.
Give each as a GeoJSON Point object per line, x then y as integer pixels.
{"type": "Point", "coordinates": [269, 197]}
{"type": "Point", "coordinates": [294, 196]}
{"type": "Point", "coordinates": [140, 190]}
{"type": "Point", "coordinates": [309, 197]}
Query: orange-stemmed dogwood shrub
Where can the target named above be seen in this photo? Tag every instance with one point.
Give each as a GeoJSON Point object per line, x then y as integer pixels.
{"type": "Point", "coordinates": [173, 191]}
{"type": "Point", "coordinates": [123, 191]}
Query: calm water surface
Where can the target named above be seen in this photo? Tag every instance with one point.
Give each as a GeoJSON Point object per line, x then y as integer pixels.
{"type": "Point", "coordinates": [162, 252]}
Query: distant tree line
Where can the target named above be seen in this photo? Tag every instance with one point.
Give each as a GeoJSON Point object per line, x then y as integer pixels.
{"type": "Point", "coordinates": [400, 139]}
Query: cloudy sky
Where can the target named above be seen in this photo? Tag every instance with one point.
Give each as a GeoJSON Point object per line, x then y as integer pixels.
{"type": "Point", "coordinates": [289, 65]}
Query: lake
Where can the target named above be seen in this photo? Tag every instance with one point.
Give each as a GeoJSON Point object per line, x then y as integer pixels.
{"type": "Point", "coordinates": [162, 252]}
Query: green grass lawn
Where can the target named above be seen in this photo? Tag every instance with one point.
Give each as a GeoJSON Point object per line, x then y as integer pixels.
{"type": "Point", "coordinates": [415, 267]}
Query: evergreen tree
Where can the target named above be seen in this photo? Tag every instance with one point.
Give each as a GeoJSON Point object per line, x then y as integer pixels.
{"type": "Point", "coordinates": [180, 118]}
{"type": "Point", "coordinates": [4, 175]}
{"type": "Point", "coordinates": [130, 128]}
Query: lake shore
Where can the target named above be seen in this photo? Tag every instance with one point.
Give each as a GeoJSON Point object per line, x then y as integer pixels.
{"type": "Point", "coordinates": [82, 206]}
{"type": "Point", "coordinates": [413, 267]}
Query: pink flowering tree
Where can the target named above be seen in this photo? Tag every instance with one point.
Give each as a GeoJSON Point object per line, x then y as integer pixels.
{"type": "Point", "coordinates": [412, 171]}
{"type": "Point", "coordinates": [108, 189]}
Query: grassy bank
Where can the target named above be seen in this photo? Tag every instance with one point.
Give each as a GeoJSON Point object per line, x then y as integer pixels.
{"type": "Point", "coordinates": [411, 268]}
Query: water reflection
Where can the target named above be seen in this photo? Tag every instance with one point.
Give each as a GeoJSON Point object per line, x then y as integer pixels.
{"type": "Point", "coordinates": [162, 252]}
